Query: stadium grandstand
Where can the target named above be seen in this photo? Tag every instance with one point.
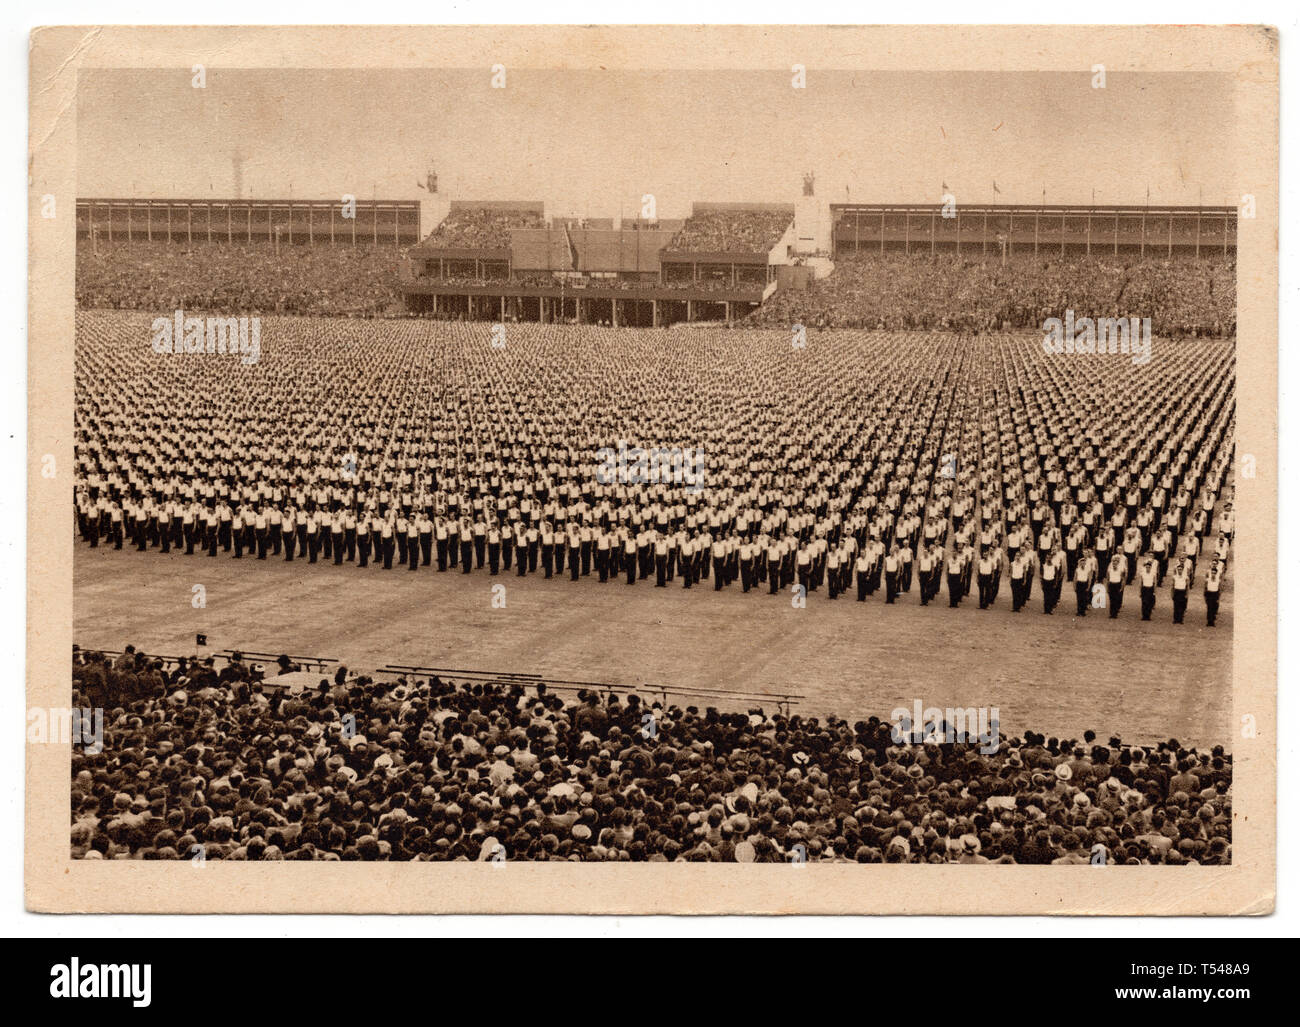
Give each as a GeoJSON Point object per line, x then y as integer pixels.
{"type": "Point", "coordinates": [885, 266]}
{"type": "Point", "coordinates": [504, 261]}
{"type": "Point", "coordinates": [987, 230]}
{"type": "Point", "coordinates": [296, 222]}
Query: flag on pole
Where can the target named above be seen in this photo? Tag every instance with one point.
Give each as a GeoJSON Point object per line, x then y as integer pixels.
{"type": "Point", "coordinates": [995, 187]}
{"type": "Point", "coordinates": [573, 250]}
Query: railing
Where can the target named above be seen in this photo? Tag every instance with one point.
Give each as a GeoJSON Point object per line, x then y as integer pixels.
{"type": "Point", "coordinates": [784, 700]}
{"type": "Point", "coordinates": [320, 663]}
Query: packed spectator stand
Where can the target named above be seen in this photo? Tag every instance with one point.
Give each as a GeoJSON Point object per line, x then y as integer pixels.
{"type": "Point", "coordinates": [894, 292]}
{"type": "Point", "coordinates": [731, 231]}
{"type": "Point", "coordinates": [201, 761]}
{"type": "Point", "coordinates": [483, 227]}
{"type": "Point", "coordinates": [253, 278]}
{"type": "Point", "coordinates": [920, 292]}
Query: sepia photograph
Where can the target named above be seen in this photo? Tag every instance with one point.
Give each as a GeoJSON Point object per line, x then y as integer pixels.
{"type": "Point", "coordinates": [558, 453]}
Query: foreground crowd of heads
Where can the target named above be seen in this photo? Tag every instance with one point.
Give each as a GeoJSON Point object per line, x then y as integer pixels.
{"type": "Point", "coordinates": [922, 469]}
{"type": "Point", "coordinates": [199, 761]}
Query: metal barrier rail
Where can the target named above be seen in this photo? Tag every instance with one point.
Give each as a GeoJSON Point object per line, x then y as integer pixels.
{"type": "Point", "coordinates": [784, 700]}
{"type": "Point", "coordinates": [306, 662]}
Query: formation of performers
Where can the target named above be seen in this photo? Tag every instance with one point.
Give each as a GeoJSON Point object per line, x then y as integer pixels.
{"type": "Point", "coordinates": [869, 463]}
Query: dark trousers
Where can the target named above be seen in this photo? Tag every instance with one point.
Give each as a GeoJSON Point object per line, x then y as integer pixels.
{"type": "Point", "coordinates": [1211, 608]}
{"type": "Point", "coordinates": [1148, 601]}
{"type": "Point", "coordinates": [1082, 596]}
{"type": "Point", "coordinates": [1115, 590]}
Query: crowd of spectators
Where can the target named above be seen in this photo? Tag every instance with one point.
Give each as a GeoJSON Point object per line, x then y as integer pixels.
{"type": "Point", "coordinates": [251, 278]}
{"type": "Point", "coordinates": [486, 228]}
{"type": "Point", "coordinates": [197, 761]}
{"type": "Point", "coordinates": [731, 231]}
{"type": "Point", "coordinates": [894, 292]}
{"type": "Point", "coordinates": [921, 292]}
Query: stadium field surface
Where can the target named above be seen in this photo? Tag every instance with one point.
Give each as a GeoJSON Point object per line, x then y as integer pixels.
{"type": "Point", "coordinates": [1052, 674]}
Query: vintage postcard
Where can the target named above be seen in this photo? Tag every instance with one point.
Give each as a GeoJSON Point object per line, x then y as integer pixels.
{"type": "Point", "coordinates": [771, 469]}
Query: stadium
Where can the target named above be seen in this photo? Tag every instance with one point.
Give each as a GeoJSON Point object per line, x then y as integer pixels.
{"type": "Point", "coordinates": [435, 529]}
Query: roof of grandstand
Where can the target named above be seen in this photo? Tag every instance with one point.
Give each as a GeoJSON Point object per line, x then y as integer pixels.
{"type": "Point", "coordinates": [1035, 208]}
